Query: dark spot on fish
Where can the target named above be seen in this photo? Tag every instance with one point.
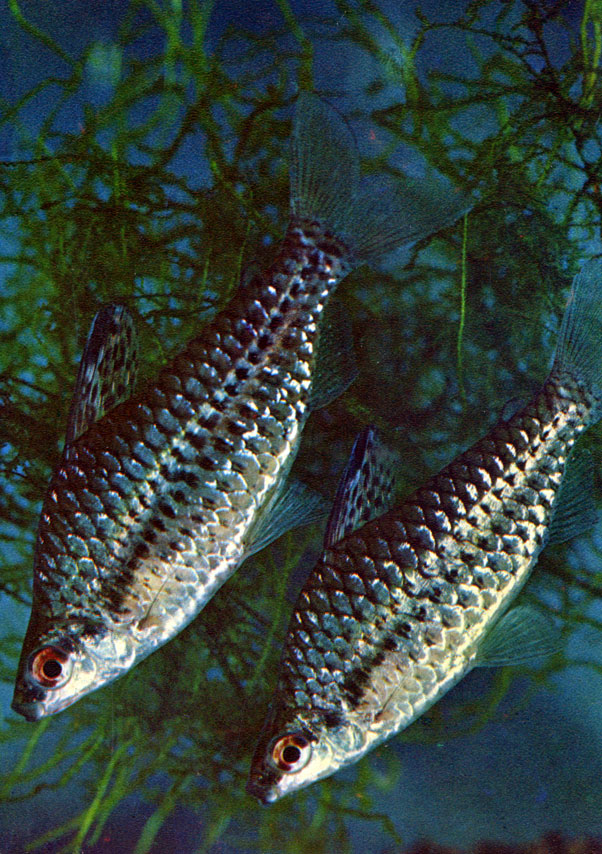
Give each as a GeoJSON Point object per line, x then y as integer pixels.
{"type": "Point", "coordinates": [378, 659]}
{"type": "Point", "coordinates": [295, 289]}
{"type": "Point", "coordinates": [174, 545]}
{"type": "Point", "coordinates": [286, 305]}
{"type": "Point", "coordinates": [231, 388]}
{"type": "Point", "coordinates": [222, 444]}
{"type": "Point", "coordinates": [159, 525]}
{"type": "Point", "coordinates": [523, 533]}
{"type": "Point", "coordinates": [354, 684]}
{"type": "Point", "coordinates": [207, 462]}
{"type": "Point", "coordinates": [190, 479]}
{"type": "Point", "coordinates": [211, 420]}
{"type": "Point", "coordinates": [404, 628]}
{"type": "Point", "coordinates": [245, 332]}
{"type": "Point", "coordinates": [276, 322]}
{"type": "Point", "coordinates": [511, 479]}
{"type": "Point", "coordinates": [168, 474]}
{"type": "Point", "coordinates": [333, 719]}
{"type": "Point", "coordinates": [390, 644]}
{"type": "Point", "coordinates": [166, 509]}
{"type": "Point", "coordinates": [435, 593]}
{"type": "Point", "coordinates": [238, 428]}
{"type": "Point", "coordinates": [255, 357]}
{"type": "Point", "coordinates": [180, 496]}
{"type": "Point", "coordinates": [219, 405]}
{"type": "Point", "coordinates": [178, 455]}
{"type": "Point", "coordinates": [242, 372]}
{"type": "Point", "coordinates": [197, 440]}
{"type": "Point", "coordinates": [500, 525]}
{"type": "Point", "coordinates": [149, 535]}
{"type": "Point", "coordinates": [141, 550]}
{"type": "Point", "coordinates": [264, 341]}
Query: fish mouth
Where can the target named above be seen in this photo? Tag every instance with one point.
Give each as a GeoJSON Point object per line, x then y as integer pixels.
{"type": "Point", "coordinates": [32, 710]}
{"type": "Point", "coordinates": [263, 794]}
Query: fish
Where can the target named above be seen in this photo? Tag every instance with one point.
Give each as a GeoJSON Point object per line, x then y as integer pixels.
{"type": "Point", "coordinates": [404, 602]}
{"type": "Point", "coordinates": [162, 492]}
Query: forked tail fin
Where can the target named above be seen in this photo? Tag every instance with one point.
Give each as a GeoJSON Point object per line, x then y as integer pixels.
{"type": "Point", "coordinates": [579, 351]}
{"type": "Point", "coordinates": [371, 216]}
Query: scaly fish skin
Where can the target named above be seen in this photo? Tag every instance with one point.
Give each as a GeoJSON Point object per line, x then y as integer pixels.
{"type": "Point", "coordinates": [148, 513]}
{"type": "Point", "coordinates": [394, 613]}
{"type": "Point", "coordinates": [157, 501]}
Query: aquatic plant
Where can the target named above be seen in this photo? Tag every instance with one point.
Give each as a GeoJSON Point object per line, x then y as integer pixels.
{"type": "Point", "coordinates": [152, 170]}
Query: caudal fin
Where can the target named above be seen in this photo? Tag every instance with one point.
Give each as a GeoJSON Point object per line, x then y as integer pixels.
{"type": "Point", "coordinates": [579, 351]}
{"type": "Point", "coordinates": [371, 216]}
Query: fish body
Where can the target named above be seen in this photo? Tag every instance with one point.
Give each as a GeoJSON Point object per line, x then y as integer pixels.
{"type": "Point", "coordinates": [397, 611]}
{"type": "Point", "coordinates": [158, 499]}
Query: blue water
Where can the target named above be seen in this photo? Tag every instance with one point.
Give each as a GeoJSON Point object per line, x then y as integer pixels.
{"type": "Point", "coordinates": [535, 766]}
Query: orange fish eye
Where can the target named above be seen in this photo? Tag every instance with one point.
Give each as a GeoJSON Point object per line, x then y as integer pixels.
{"type": "Point", "coordinates": [290, 752]}
{"type": "Point", "coordinates": [50, 666]}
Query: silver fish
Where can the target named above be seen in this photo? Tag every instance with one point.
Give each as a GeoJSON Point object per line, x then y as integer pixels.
{"type": "Point", "coordinates": [160, 496]}
{"type": "Point", "coordinates": [401, 608]}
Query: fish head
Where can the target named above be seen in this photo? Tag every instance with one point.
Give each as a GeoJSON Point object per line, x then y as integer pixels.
{"type": "Point", "coordinates": [60, 665]}
{"type": "Point", "coordinates": [294, 753]}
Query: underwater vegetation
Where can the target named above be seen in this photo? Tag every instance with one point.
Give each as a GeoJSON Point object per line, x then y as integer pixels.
{"type": "Point", "coordinates": [151, 169]}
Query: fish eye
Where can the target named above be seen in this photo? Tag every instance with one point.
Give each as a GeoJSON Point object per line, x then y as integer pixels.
{"type": "Point", "coordinates": [290, 752]}
{"type": "Point", "coordinates": [50, 666]}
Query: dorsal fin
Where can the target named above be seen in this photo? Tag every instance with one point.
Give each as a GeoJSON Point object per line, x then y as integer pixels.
{"type": "Point", "coordinates": [107, 371]}
{"type": "Point", "coordinates": [366, 488]}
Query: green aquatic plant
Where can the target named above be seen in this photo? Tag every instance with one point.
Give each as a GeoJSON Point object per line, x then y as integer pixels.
{"type": "Point", "coordinates": [162, 195]}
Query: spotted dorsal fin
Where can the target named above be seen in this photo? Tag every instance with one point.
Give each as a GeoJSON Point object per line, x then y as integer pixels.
{"type": "Point", "coordinates": [107, 371]}
{"type": "Point", "coordinates": [366, 488]}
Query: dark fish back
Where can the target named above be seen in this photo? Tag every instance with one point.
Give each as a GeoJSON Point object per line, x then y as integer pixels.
{"type": "Point", "coordinates": [424, 577]}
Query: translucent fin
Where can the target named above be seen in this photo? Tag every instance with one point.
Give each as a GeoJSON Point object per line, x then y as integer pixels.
{"type": "Point", "coordinates": [292, 507]}
{"type": "Point", "coordinates": [107, 371]}
{"type": "Point", "coordinates": [574, 511]}
{"type": "Point", "coordinates": [520, 636]}
{"type": "Point", "coordinates": [579, 351]}
{"type": "Point", "coordinates": [375, 216]}
{"type": "Point", "coordinates": [366, 488]}
{"type": "Point", "coordinates": [325, 168]}
{"type": "Point", "coordinates": [336, 367]}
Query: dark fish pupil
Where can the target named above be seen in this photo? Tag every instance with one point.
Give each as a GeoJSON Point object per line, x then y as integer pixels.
{"type": "Point", "coordinates": [291, 754]}
{"type": "Point", "coordinates": [52, 668]}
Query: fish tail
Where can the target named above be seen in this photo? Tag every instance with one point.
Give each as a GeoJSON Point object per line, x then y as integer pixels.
{"type": "Point", "coordinates": [579, 352]}
{"type": "Point", "coordinates": [371, 216]}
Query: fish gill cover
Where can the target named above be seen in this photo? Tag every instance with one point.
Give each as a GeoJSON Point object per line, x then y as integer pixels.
{"type": "Point", "coordinates": [150, 168]}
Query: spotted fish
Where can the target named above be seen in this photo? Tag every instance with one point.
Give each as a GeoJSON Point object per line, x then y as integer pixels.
{"type": "Point", "coordinates": [160, 495]}
{"type": "Point", "coordinates": [400, 608]}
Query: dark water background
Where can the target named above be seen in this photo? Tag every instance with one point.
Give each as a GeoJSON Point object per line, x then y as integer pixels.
{"type": "Point", "coordinates": [143, 150]}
